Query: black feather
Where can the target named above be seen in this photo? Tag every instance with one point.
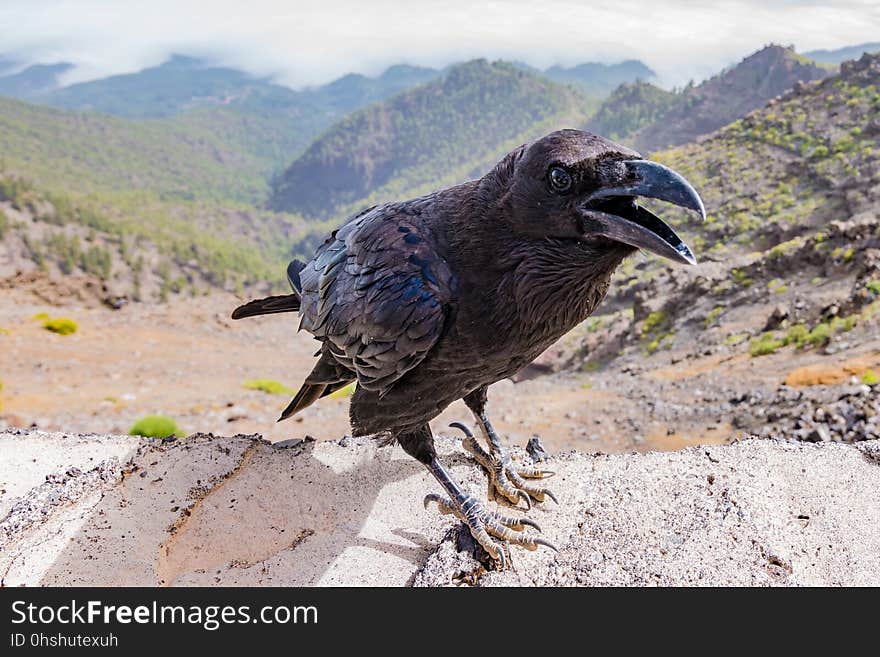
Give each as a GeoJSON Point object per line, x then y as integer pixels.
{"type": "Point", "coordinates": [285, 303]}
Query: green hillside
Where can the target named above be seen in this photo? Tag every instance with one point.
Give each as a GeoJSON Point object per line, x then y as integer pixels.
{"type": "Point", "coordinates": [630, 107]}
{"type": "Point", "coordinates": [142, 248]}
{"type": "Point", "coordinates": [183, 193]}
{"type": "Point", "coordinates": [435, 135]}
{"type": "Point", "coordinates": [183, 159]}
{"type": "Point", "coordinates": [193, 130]}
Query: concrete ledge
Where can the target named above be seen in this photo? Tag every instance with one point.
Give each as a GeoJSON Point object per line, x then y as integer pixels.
{"type": "Point", "coordinates": [206, 510]}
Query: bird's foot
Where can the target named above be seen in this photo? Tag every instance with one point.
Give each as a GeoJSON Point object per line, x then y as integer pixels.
{"type": "Point", "coordinates": [484, 524]}
{"type": "Point", "coordinates": [505, 478]}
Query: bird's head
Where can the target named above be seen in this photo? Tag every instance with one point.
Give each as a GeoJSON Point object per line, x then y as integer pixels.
{"type": "Point", "coordinates": [576, 185]}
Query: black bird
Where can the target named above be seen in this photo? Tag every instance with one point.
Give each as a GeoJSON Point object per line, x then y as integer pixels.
{"type": "Point", "coordinates": [434, 299]}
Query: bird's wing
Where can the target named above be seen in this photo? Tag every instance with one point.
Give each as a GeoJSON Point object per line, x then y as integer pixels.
{"type": "Point", "coordinates": [377, 293]}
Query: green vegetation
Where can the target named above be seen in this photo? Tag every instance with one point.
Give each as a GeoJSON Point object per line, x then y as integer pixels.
{"type": "Point", "coordinates": [767, 343]}
{"type": "Point", "coordinates": [777, 287]}
{"type": "Point", "coordinates": [735, 338]}
{"type": "Point", "coordinates": [346, 391]}
{"type": "Point", "coordinates": [654, 321]}
{"type": "Point", "coordinates": [630, 107]}
{"type": "Point", "coordinates": [435, 135]}
{"type": "Point", "coordinates": [97, 153]}
{"type": "Point", "coordinates": [657, 331]}
{"type": "Point", "coordinates": [740, 278]}
{"type": "Point", "coordinates": [870, 378]}
{"type": "Point", "coordinates": [713, 315]}
{"type": "Point", "coordinates": [60, 325]}
{"type": "Point", "coordinates": [801, 337]}
{"type": "Point", "coordinates": [873, 286]}
{"type": "Point", "coordinates": [230, 246]}
{"type": "Point", "coordinates": [268, 386]}
{"type": "Point", "coordinates": [155, 426]}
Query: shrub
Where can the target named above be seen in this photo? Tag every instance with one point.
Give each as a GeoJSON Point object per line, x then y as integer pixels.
{"type": "Point", "coordinates": [713, 315]}
{"type": "Point", "coordinates": [740, 278]}
{"type": "Point", "coordinates": [844, 324]}
{"type": "Point", "coordinates": [654, 321]}
{"type": "Point", "coordinates": [765, 344]}
{"type": "Point", "coordinates": [797, 335]}
{"type": "Point", "coordinates": [154, 426]}
{"type": "Point", "coordinates": [60, 325]}
{"type": "Point", "coordinates": [735, 338]}
{"type": "Point", "coordinates": [820, 335]}
{"type": "Point", "coordinates": [870, 378]}
{"type": "Point", "coordinates": [268, 386]}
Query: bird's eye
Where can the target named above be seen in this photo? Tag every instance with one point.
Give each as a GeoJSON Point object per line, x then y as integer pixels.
{"type": "Point", "coordinates": [560, 179]}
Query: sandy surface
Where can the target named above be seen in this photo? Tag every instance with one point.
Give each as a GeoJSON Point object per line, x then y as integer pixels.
{"type": "Point", "coordinates": [186, 359]}
{"type": "Point", "coordinates": [238, 511]}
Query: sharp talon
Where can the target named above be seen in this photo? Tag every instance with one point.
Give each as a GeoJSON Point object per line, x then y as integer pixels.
{"type": "Point", "coordinates": [548, 473]}
{"type": "Point", "coordinates": [462, 427]}
{"type": "Point", "coordinates": [541, 541]}
{"type": "Point", "coordinates": [431, 497]}
{"type": "Point", "coordinates": [525, 497]}
{"type": "Point", "coordinates": [550, 494]}
{"type": "Point", "coordinates": [530, 523]}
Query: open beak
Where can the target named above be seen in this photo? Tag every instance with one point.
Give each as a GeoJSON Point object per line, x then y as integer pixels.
{"type": "Point", "coordinates": [612, 211]}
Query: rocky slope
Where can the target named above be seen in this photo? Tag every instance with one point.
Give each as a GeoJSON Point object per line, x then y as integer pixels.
{"type": "Point", "coordinates": [789, 283]}
{"type": "Point", "coordinates": [206, 510]}
{"type": "Point", "coordinates": [727, 97]}
{"type": "Point", "coordinates": [650, 119]}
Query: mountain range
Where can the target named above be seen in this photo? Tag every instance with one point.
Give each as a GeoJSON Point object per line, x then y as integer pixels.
{"type": "Point", "coordinates": [836, 56]}
{"type": "Point", "coordinates": [441, 133]}
{"type": "Point", "coordinates": [219, 177]}
{"type": "Point", "coordinates": [650, 118]}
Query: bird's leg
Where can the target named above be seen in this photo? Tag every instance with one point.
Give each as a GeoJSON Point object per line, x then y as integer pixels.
{"type": "Point", "coordinates": [505, 478]}
{"type": "Point", "coordinates": [482, 523]}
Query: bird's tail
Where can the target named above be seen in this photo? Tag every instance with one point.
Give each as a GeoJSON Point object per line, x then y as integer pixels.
{"type": "Point", "coordinates": [307, 395]}
{"type": "Point", "coordinates": [327, 377]}
{"type": "Point", "coordinates": [283, 303]}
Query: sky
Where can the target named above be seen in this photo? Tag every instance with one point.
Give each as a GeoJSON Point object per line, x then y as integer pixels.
{"type": "Point", "coordinates": [303, 43]}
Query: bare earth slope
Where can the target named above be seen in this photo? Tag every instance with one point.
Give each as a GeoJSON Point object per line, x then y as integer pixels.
{"type": "Point", "coordinates": [238, 511]}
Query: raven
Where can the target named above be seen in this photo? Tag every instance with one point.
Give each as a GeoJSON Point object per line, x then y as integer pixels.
{"type": "Point", "coordinates": [434, 299]}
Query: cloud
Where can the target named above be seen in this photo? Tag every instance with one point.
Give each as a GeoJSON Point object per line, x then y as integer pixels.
{"type": "Point", "coordinates": [307, 43]}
